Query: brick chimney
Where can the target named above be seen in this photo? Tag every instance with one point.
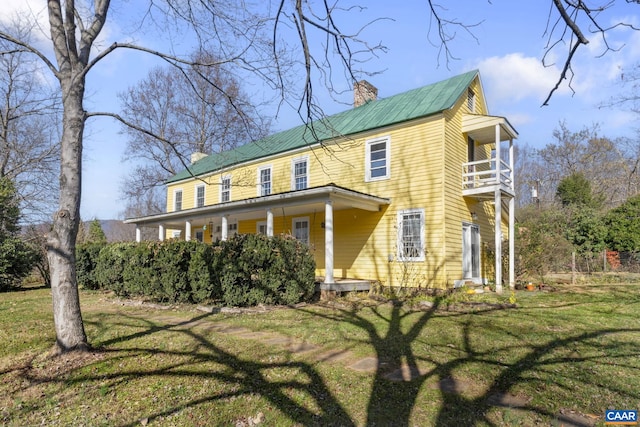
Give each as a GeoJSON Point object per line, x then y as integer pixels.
{"type": "Point", "coordinates": [363, 92]}
{"type": "Point", "coordinates": [197, 156]}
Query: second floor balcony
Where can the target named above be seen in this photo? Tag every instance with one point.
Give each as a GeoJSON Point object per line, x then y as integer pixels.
{"type": "Point", "coordinates": [482, 178]}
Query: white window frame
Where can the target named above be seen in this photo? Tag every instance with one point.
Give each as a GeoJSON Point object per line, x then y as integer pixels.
{"type": "Point", "coordinates": [400, 227]}
{"type": "Point", "coordinates": [261, 224]}
{"type": "Point", "coordinates": [195, 195]}
{"type": "Point", "coordinates": [260, 183]}
{"type": "Point", "coordinates": [294, 163]}
{"type": "Point", "coordinates": [302, 219]}
{"type": "Point", "coordinates": [175, 199]}
{"type": "Point", "coordinates": [223, 190]}
{"type": "Point", "coordinates": [471, 100]}
{"type": "Point", "coordinates": [368, 160]}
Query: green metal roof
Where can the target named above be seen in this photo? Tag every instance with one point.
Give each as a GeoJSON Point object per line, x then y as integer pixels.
{"type": "Point", "coordinates": [421, 102]}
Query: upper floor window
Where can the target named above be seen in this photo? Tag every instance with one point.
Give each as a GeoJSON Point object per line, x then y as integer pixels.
{"type": "Point", "coordinates": [471, 100]}
{"type": "Point", "coordinates": [264, 183]}
{"type": "Point", "coordinates": [299, 174]}
{"type": "Point", "coordinates": [377, 159]}
{"type": "Point", "coordinates": [200, 196]}
{"type": "Point", "coordinates": [225, 189]}
{"type": "Point", "coordinates": [177, 200]}
{"type": "Point", "coordinates": [411, 235]}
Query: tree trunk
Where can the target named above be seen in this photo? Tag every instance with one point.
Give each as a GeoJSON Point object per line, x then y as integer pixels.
{"type": "Point", "coordinates": [61, 242]}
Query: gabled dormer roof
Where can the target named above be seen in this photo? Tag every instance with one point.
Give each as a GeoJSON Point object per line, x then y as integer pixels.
{"type": "Point", "coordinates": [422, 102]}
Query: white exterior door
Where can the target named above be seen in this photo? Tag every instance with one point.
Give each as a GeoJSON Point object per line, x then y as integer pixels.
{"type": "Point", "coordinates": [470, 251]}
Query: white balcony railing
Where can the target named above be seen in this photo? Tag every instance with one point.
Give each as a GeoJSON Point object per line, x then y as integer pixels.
{"type": "Point", "coordinates": [482, 174]}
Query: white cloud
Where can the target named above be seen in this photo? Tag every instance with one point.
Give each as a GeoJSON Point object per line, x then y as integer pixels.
{"type": "Point", "coordinates": [515, 76]}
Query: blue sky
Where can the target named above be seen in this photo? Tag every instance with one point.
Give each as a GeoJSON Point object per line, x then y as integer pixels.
{"type": "Point", "coordinates": [508, 50]}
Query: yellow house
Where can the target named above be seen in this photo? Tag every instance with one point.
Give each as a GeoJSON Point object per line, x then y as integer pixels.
{"type": "Point", "coordinates": [413, 190]}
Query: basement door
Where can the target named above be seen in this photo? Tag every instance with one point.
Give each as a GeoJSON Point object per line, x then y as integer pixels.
{"type": "Point", "coordinates": [470, 251]}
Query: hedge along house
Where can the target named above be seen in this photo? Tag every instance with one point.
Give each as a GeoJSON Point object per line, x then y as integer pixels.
{"type": "Point", "coordinates": [413, 190]}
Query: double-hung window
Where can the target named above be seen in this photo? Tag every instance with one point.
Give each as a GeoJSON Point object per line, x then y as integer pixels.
{"type": "Point", "coordinates": [225, 189]}
{"type": "Point", "coordinates": [200, 196]}
{"type": "Point", "coordinates": [177, 200]}
{"type": "Point", "coordinates": [377, 165]}
{"type": "Point", "coordinates": [264, 181]}
{"type": "Point", "coordinates": [299, 173]}
{"type": "Point", "coordinates": [301, 229]}
{"type": "Point", "coordinates": [411, 235]}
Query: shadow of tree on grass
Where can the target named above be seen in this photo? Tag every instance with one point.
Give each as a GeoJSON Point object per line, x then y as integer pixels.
{"type": "Point", "coordinates": [403, 377]}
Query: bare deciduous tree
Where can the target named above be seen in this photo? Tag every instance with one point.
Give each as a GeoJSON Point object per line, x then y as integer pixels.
{"type": "Point", "coordinates": [251, 41]}
{"type": "Point", "coordinates": [610, 166]}
{"type": "Point", "coordinates": [568, 22]}
{"type": "Point", "coordinates": [200, 109]}
{"type": "Point", "coordinates": [29, 134]}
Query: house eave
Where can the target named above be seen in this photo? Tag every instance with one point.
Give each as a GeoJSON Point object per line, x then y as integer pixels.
{"type": "Point", "coordinates": [482, 128]}
{"type": "Point", "coordinates": [343, 198]}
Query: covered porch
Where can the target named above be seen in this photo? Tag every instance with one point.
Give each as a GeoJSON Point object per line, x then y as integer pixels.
{"type": "Point", "coordinates": [220, 220]}
{"type": "Point", "coordinates": [492, 180]}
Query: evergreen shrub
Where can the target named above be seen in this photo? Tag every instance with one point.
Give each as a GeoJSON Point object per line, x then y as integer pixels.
{"type": "Point", "coordinates": [256, 269]}
{"type": "Point", "coordinates": [86, 261]}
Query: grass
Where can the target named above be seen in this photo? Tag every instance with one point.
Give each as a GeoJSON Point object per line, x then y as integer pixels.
{"type": "Point", "coordinates": [571, 352]}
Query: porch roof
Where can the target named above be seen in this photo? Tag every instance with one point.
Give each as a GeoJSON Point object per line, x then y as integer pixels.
{"type": "Point", "coordinates": [482, 128]}
{"type": "Point", "coordinates": [296, 202]}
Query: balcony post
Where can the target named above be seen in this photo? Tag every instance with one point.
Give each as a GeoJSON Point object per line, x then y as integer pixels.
{"type": "Point", "coordinates": [161, 232]}
{"type": "Point", "coordinates": [138, 233]}
{"type": "Point", "coordinates": [498, 239]}
{"type": "Point", "coordinates": [498, 158]}
{"type": "Point", "coordinates": [511, 163]}
{"type": "Point", "coordinates": [512, 240]}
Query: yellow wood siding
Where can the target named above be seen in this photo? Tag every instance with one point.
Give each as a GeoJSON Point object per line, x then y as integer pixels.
{"type": "Point", "coordinates": [426, 158]}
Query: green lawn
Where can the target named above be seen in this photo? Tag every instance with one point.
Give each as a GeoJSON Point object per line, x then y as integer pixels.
{"type": "Point", "coordinates": [476, 360]}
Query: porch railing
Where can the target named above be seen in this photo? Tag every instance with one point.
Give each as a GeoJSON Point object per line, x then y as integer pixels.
{"type": "Point", "coordinates": [483, 173]}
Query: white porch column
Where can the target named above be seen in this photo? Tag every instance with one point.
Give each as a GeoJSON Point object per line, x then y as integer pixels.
{"type": "Point", "coordinates": [498, 159]}
{"type": "Point", "coordinates": [511, 163]}
{"type": "Point", "coordinates": [187, 230]}
{"type": "Point", "coordinates": [512, 242]}
{"type": "Point", "coordinates": [328, 242]}
{"type": "Point", "coordinates": [138, 234]}
{"type": "Point", "coordinates": [269, 223]}
{"type": "Point", "coordinates": [498, 219]}
{"type": "Point", "coordinates": [498, 240]}
{"type": "Point", "coordinates": [225, 228]}
{"type": "Point", "coordinates": [512, 221]}
{"type": "Point", "coordinates": [161, 232]}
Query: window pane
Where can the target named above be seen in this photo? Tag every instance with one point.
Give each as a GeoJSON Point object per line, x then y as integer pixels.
{"type": "Point", "coordinates": [199, 196]}
{"type": "Point", "coordinates": [301, 230]}
{"type": "Point", "coordinates": [265, 182]}
{"type": "Point", "coordinates": [300, 174]}
{"type": "Point", "coordinates": [225, 190]}
{"type": "Point", "coordinates": [378, 160]}
{"type": "Point", "coordinates": [411, 245]}
{"type": "Point", "coordinates": [178, 200]}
